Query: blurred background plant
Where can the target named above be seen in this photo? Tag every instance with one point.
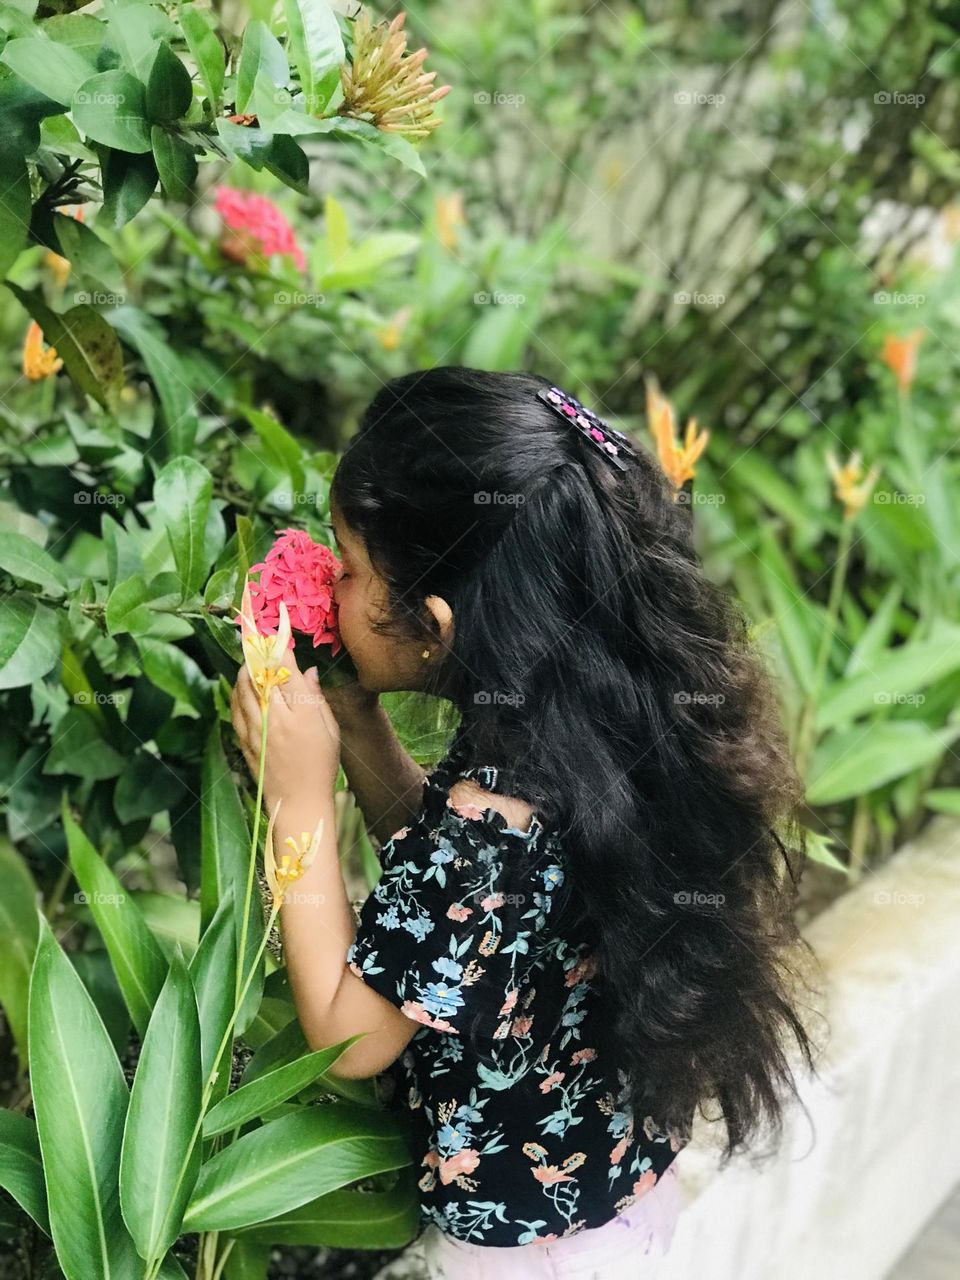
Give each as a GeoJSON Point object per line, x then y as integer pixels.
{"type": "Point", "coordinates": [757, 208]}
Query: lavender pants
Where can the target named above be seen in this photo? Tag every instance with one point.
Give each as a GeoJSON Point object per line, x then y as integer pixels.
{"type": "Point", "coordinates": [628, 1247]}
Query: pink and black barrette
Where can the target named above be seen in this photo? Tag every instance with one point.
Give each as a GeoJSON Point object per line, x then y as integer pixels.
{"type": "Point", "coordinates": [613, 444]}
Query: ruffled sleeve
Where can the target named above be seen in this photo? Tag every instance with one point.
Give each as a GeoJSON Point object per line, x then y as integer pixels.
{"type": "Point", "coordinates": [446, 934]}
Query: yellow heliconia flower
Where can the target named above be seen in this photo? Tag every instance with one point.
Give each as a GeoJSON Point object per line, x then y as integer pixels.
{"type": "Point", "coordinates": [292, 865]}
{"type": "Point", "coordinates": [676, 460]}
{"type": "Point", "coordinates": [450, 215]}
{"type": "Point", "coordinates": [852, 488]}
{"type": "Point", "coordinates": [264, 655]}
{"type": "Point", "coordinates": [37, 362]}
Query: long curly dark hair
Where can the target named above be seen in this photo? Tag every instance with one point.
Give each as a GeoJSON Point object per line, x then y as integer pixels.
{"type": "Point", "coordinates": [618, 691]}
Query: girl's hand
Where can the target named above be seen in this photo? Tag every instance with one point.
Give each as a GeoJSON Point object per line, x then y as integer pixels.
{"type": "Point", "coordinates": [303, 738]}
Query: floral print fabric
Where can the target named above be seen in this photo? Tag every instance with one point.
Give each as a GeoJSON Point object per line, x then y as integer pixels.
{"type": "Point", "coordinates": [523, 1131]}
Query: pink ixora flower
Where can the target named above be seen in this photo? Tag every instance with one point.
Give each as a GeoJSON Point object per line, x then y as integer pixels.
{"type": "Point", "coordinates": [254, 227]}
{"type": "Point", "coordinates": [301, 573]}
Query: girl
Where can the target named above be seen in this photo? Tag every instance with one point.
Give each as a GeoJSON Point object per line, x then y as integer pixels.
{"type": "Point", "coordinates": [579, 936]}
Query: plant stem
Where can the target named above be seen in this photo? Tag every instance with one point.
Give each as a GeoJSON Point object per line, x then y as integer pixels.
{"type": "Point", "coordinates": [265, 707]}
{"type": "Point", "coordinates": [222, 1262]}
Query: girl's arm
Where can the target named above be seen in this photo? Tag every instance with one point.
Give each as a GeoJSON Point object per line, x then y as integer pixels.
{"type": "Point", "coordinates": [386, 781]}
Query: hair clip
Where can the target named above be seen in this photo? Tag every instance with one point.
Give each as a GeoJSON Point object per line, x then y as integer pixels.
{"type": "Point", "coordinates": [613, 444]}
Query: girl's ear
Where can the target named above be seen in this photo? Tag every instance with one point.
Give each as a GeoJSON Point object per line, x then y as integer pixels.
{"type": "Point", "coordinates": [443, 615]}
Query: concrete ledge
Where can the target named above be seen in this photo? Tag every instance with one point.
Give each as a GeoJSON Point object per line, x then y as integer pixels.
{"type": "Point", "coordinates": [854, 1184]}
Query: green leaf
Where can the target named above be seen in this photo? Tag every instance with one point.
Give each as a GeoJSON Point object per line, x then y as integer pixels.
{"type": "Point", "coordinates": [80, 1098]}
{"type": "Point", "coordinates": [347, 1219]}
{"type": "Point", "coordinates": [21, 1168]}
{"type": "Point", "coordinates": [79, 750]}
{"type": "Point", "coordinates": [54, 69]}
{"type": "Point", "coordinates": [128, 183]}
{"type": "Point", "coordinates": [18, 943]}
{"type": "Point", "coordinates": [260, 50]}
{"type": "Point", "coordinates": [81, 31]}
{"type": "Point", "coordinates": [225, 843]}
{"type": "Point", "coordinates": [182, 492]}
{"type": "Point", "coordinates": [253, 1099]}
{"type": "Point", "coordinates": [313, 36]}
{"type": "Point", "coordinates": [287, 1162]}
{"type": "Point", "coordinates": [895, 676]}
{"type": "Point", "coordinates": [206, 49]}
{"type": "Point", "coordinates": [86, 343]}
{"type": "Point", "coordinates": [176, 163]}
{"type": "Point", "coordinates": [288, 162]}
{"type": "Point", "coordinates": [214, 970]}
{"type": "Point", "coordinates": [135, 30]}
{"type": "Point", "coordinates": [15, 207]}
{"type": "Point", "coordinates": [160, 1159]}
{"type": "Point", "coordinates": [176, 673]}
{"type": "Point", "coordinates": [166, 371]}
{"type": "Point", "coordinates": [169, 88]}
{"type": "Point", "coordinates": [282, 449]}
{"type": "Point", "coordinates": [858, 761]}
{"type": "Point", "coordinates": [27, 561]}
{"type": "Point", "coordinates": [111, 108]}
{"type": "Point", "coordinates": [87, 254]}
{"type": "Point", "coordinates": [338, 230]}
{"type": "Point", "coordinates": [362, 263]}
{"type": "Point", "coordinates": [944, 800]}
{"type": "Point", "coordinates": [137, 960]}
{"type": "Point", "coordinates": [29, 641]}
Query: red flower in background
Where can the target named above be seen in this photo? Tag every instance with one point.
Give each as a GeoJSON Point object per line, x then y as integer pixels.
{"type": "Point", "coordinates": [301, 573]}
{"type": "Point", "coordinates": [254, 227]}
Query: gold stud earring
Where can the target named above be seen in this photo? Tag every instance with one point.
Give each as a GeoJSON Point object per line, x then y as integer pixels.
{"type": "Point", "coordinates": [425, 654]}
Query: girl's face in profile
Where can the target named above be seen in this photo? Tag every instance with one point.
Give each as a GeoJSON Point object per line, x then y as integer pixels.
{"type": "Point", "coordinates": [384, 663]}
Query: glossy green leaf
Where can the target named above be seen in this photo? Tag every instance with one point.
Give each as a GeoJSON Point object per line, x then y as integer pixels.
{"type": "Point", "coordinates": [857, 761]}
{"type": "Point", "coordinates": [137, 960]}
{"type": "Point", "coordinates": [287, 1162]}
{"type": "Point", "coordinates": [313, 37]}
{"type": "Point", "coordinates": [260, 51]}
{"type": "Point", "coordinates": [29, 641]}
{"type": "Point", "coordinates": [86, 343]}
{"type": "Point", "coordinates": [27, 561]}
{"type": "Point", "coordinates": [21, 1168]}
{"type": "Point", "coordinates": [348, 1219]}
{"type": "Point", "coordinates": [206, 49]}
{"type": "Point", "coordinates": [169, 88]}
{"type": "Point", "coordinates": [128, 183]}
{"type": "Point", "coordinates": [15, 207]}
{"type": "Point", "coordinates": [111, 108]}
{"type": "Point", "coordinates": [257, 1097]}
{"type": "Point", "coordinates": [179, 420]}
{"type": "Point", "coordinates": [176, 163]}
{"type": "Point", "coordinates": [182, 492]}
{"type": "Point", "coordinates": [160, 1158]}
{"type": "Point", "coordinates": [80, 1098]}
{"type": "Point", "coordinates": [54, 69]}
{"type": "Point", "coordinates": [213, 970]}
{"type": "Point", "coordinates": [18, 941]}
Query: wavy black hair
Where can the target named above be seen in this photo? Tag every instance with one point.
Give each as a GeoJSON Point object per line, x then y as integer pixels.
{"type": "Point", "coordinates": [619, 693]}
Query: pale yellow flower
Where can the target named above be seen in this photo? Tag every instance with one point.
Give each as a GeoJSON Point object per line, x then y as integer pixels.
{"type": "Point", "coordinates": [385, 85]}
{"type": "Point", "coordinates": [292, 865]}
{"type": "Point", "coordinates": [264, 655]}
{"type": "Point", "coordinates": [37, 362]}
{"type": "Point", "coordinates": [851, 486]}
{"type": "Point", "coordinates": [450, 215]}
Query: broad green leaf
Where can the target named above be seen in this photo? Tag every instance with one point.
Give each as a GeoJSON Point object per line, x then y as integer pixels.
{"type": "Point", "coordinates": [944, 800]}
{"type": "Point", "coordinates": [80, 750]}
{"type": "Point", "coordinates": [137, 960]}
{"type": "Point", "coordinates": [362, 263]}
{"type": "Point", "coordinates": [81, 31]}
{"type": "Point", "coordinates": [338, 230]}
{"type": "Point", "coordinates": [54, 69]}
{"type": "Point", "coordinates": [176, 163]}
{"type": "Point", "coordinates": [213, 970]}
{"type": "Point", "coordinates": [247, 1261]}
{"type": "Point", "coordinates": [87, 254]}
{"type": "Point", "coordinates": [128, 183]}
{"type": "Point", "coordinates": [797, 627]}
{"type": "Point", "coordinates": [160, 1159]}
{"type": "Point", "coordinates": [135, 30]}
{"type": "Point", "coordinates": [175, 672]}
{"type": "Point", "coordinates": [80, 1099]}
{"type": "Point", "coordinates": [282, 449]}
{"type": "Point", "coordinates": [287, 1162]}
{"type": "Point", "coordinates": [166, 371]}
{"type": "Point", "coordinates": [253, 1099]}
{"type": "Point", "coordinates": [18, 942]}
{"type": "Point", "coordinates": [15, 207]}
{"type": "Point", "coordinates": [86, 343]}
{"type": "Point", "coordinates": [29, 641]}
{"type": "Point", "coordinates": [21, 1169]}
{"type": "Point", "coordinates": [111, 108]}
{"type": "Point", "coordinates": [857, 761]}
{"type": "Point", "coordinates": [347, 1219]}
{"type": "Point", "coordinates": [877, 634]}
{"type": "Point", "coordinates": [313, 36]}
{"type": "Point", "coordinates": [27, 561]}
{"type": "Point", "coordinates": [225, 859]}
{"type": "Point", "coordinates": [169, 88]}
{"type": "Point", "coordinates": [891, 677]}
{"type": "Point", "coordinates": [260, 51]}
{"type": "Point", "coordinates": [182, 492]}
{"type": "Point", "coordinates": [206, 49]}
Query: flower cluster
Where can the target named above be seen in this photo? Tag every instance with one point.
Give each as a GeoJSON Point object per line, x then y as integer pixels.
{"type": "Point", "coordinates": [254, 228]}
{"type": "Point", "coordinates": [676, 460]}
{"type": "Point", "coordinates": [298, 573]}
{"type": "Point", "coordinates": [39, 363]}
{"type": "Point", "coordinates": [385, 85]}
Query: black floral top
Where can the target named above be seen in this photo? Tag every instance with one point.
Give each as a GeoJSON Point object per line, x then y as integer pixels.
{"type": "Point", "coordinates": [521, 1134]}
